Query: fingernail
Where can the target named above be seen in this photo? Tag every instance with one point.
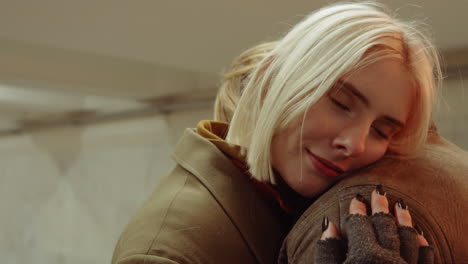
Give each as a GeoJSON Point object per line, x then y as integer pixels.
{"type": "Point", "coordinates": [379, 189]}
{"type": "Point", "coordinates": [418, 230]}
{"type": "Point", "coordinates": [325, 223]}
{"type": "Point", "coordinates": [402, 204]}
{"type": "Point", "coordinates": [360, 198]}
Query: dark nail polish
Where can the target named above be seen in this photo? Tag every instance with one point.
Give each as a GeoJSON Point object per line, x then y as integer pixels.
{"type": "Point", "coordinates": [325, 223]}
{"type": "Point", "coordinates": [360, 198]}
{"type": "Point", "coordinates": [418, 230]}
{"type": "Point", "coordinates": [379, 189]}
{"type": "Point", "coordinates": [402, 204]}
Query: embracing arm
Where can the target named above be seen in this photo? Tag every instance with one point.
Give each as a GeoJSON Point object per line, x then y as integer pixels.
{"type": "Point", "coordinates": [380, 238]}
{"type": "Point", "coordinates": [302, 243]}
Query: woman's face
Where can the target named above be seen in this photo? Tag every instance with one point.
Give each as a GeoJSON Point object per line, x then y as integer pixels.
{"type": "Point", "coordinates": [348, 128]}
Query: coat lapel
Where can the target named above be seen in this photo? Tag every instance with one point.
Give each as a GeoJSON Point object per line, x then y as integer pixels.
{"type": "Point", "coordinates": [257, 223]}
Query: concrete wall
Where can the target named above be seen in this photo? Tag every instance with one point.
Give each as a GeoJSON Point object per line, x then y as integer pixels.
{"type": "Point", "coordinates": [451, 116]}
{"type": "Point", "coordinates": [66, 193]}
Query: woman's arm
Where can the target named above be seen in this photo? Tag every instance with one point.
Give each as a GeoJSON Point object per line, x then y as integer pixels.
{"type": "Point", "coordinates": [380, 238]}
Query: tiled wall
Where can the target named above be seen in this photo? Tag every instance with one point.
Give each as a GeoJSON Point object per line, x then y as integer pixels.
{"type": "Point", "coordinates": [66, 194]}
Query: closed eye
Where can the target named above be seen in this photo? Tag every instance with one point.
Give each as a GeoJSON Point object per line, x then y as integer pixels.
{"type": "Point", "coordinates": [380, 133]}
{"type": "Point", "coordinates": [340, 105]}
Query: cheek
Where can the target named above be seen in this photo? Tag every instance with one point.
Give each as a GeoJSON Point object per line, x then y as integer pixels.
{"type": "Point", "coordinates": [326, 120]}
{"type": "Point", "coordinates": [286, 153]}
{"type": "Point", "coordinates": [373, 155]}
{"type": "Point", "coordinates": [283, 148]}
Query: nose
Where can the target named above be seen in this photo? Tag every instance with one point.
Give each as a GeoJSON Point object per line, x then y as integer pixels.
{"type": "Point", "coordinates": [351, 142]}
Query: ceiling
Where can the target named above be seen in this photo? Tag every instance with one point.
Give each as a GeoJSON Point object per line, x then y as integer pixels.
{"type": "Point", "coordinates": [95, 59]}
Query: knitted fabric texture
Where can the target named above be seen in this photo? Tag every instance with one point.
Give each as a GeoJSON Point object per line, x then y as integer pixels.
{"type": "Point", "coordinates": [374, 239]}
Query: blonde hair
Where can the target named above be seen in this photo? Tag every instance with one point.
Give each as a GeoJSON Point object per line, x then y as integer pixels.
{"type": "Point", "coordinates": [307, 62]}
{"type": "Point", "coordinates": [235, 79]}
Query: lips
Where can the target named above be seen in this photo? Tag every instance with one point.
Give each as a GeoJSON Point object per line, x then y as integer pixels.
{"type": "Point", "coordinates": [324, 166]}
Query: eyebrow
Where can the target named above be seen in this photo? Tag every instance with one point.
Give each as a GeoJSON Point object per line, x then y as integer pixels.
{"type": "Point", "coordinates": [350, 87]}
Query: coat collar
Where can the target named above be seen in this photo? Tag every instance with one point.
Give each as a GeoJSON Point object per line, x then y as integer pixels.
{"type": "Point", "coordinates": [257, 222]}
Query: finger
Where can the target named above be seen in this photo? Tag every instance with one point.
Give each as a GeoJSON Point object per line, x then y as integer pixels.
{"type": "Point", "coordinates": [402, 214]}
{"type": "Point", "coordinates": [330, 248]}
{"type": "Point", "coordinates": [357, 205]}
{"type": "Point", "coordinates": [379, 202]}
{"type": "Point", "coordinates": [329, 229]}
{"type": "Point", "coordinates": [384, 223]}
{"type": "Point", "coordinates": [420, 237]}
{"type": "Point", "coordinates": [422, 241]}
{"type": "Point", "coordinates": [408, 235]}
{"type": "Point", "coordinates": [358, 228]}
{"type": "Point", "coordinates": [426, 255]}
{"type": "Point", "coordinates": [409, 244]}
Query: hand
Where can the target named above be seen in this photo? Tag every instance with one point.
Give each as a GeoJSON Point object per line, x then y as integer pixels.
{"type": "Point", "coordinates": [375, 239]}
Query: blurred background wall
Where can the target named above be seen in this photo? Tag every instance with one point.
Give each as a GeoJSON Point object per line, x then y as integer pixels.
{"type": "Point", "coordinates": [94, 95]}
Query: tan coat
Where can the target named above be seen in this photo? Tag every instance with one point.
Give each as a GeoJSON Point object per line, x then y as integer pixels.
{"type": "Point", "coordinates": [434, 186]}
{"type": "Point", "coordinates": [206, 211]}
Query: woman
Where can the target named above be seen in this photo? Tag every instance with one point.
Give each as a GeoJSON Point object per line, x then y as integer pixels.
{"type": "Point", "coordinates": [330, 249]}
{"type": "Point", "coordinates": [343, 88]}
